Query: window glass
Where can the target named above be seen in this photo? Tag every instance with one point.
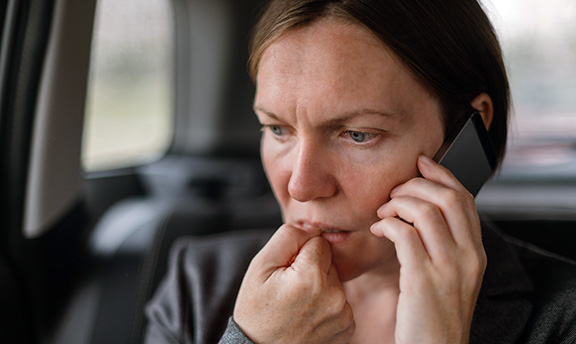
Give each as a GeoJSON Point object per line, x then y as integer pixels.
{"type": "Point", "coordinates": [539, 43]}
{"type": "Point", "coordinates": [128, 113]}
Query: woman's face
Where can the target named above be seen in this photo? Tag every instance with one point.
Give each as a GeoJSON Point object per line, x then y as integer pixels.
{"type": "Point", "coordinates": [344, 123]}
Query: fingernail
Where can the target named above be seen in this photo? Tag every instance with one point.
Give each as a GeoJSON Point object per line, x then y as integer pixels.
{"type": "Point", "coordinates": [375, 230]}
{"type": "Point", "coordinates": [381, 209]}
{"type": "Point", "coordinates": [426, 160]}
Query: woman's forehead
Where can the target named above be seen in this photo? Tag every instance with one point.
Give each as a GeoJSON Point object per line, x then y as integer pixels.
{"type": "Point", "coordinates": [327, 43]}
{"type": "Point", "coordinates": [335, 64]}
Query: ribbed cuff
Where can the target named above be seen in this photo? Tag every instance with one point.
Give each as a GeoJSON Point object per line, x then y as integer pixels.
{"type": "Point", "coordinates": [234, 335]}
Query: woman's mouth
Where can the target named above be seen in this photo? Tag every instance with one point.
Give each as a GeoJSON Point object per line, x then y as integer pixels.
{"type": "Point", "coordinates": [332, 234]}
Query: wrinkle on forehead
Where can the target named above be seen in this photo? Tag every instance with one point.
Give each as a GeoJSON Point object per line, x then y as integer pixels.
{"type": "Point", "coordinates": [335, 65]}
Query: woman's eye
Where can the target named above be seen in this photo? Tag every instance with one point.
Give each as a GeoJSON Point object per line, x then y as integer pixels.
{"type": "Point", "coordinates": [358, 136]}
{"type": "Point", "coordinates": [276, 130]}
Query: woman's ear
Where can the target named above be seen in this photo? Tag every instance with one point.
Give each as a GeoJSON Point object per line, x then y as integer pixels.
{"type": "Point", "coordinates": [483, 103]}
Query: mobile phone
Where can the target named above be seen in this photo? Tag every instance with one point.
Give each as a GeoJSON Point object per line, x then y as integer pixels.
{"type": "Point", "coordinates": [468, 153]}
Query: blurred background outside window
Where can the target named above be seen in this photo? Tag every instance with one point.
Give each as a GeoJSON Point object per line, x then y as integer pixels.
{"type": "Point", "coordinates": [539, 43]}
{"type": "Point", "coordinates": [129, 115]}
{"type": "Point", "coordinates": [129, 106]}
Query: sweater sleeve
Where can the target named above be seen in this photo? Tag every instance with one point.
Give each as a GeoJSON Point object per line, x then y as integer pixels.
{"type": "Point", "coordinates": [195, 301]}
{"type": "Point", "coordinates": [168, 313]}
{"type": "Point", "coordinates": [234, 335]}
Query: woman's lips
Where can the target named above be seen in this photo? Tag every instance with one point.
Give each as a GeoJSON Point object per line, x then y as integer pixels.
{"type": "Point", "coordinates": [336, 237]}
{"type": "Point", "coordinates": [332, 234]}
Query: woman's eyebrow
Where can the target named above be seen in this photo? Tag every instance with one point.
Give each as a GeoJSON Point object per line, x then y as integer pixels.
{"type": "Point", "coordinates": [366, 112]}
{"type": "Point", "coordinates": [344, 117]}
{"type": "Point", "coordinates": [270, 114]}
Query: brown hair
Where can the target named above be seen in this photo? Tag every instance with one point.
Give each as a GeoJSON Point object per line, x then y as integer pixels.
{"type": "Point", "coordinates": [449, 45]}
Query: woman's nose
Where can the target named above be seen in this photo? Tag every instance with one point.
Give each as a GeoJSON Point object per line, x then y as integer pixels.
{"type": "Point", "coordinates": [311, 176]}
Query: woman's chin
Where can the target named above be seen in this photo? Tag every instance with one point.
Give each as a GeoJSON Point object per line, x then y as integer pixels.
{"type": "Point", "coordinates": [347, 271]}
{"type": "Point", "coordinates": [350, 267]}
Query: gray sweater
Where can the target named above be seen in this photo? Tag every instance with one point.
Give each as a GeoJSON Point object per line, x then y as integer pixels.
{"type": "Point", "coordinates": [527, 295]}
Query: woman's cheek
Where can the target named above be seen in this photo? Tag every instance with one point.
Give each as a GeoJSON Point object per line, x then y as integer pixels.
{"type": "Point", "coordinates": [277, 162]}
{"type": "Point", "coordinates": [273, 152]}
{"type": "Point", "coordinates": [369, 176]}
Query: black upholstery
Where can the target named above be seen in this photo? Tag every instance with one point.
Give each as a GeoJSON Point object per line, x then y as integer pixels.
{"type": "Point", "coordinates": [131, 242]}
{"type": "Point", "coordinates": [13, 307]}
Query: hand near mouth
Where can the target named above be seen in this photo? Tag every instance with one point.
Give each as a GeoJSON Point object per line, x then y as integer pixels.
{"type": "Point", "coordinates": [291, 292]}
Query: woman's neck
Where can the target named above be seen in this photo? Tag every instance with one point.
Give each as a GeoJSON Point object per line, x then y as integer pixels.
{"type": "Point", "coordinates": [374, 281]}
{"type": "Point", "coordinates": [374, 300]}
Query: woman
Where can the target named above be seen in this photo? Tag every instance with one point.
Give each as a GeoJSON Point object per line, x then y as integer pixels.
{"type": "Point", "coordinates": [380, 244]}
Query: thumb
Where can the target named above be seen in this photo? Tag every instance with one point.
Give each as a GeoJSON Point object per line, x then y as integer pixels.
{"type": "Point", "coordinates": [316, 252]}
{"type": "Point", "coordinates": [282, 248]}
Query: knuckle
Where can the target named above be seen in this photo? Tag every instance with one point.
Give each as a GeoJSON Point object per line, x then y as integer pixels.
{"type": "Point", "coordinates": [481, 263]}
{"type": "Point", "coordinates": [468, 198]}
{"type": "Point", "coordinates": [338, 303]}
{"type": "Point", "coordinates": [456, 198]}
{"type": "Point", "coordinates": [429, 210]}
{"type": "Point", "coordinates": [334, 303]}
{"type": "Point", "coordinates": [409, 233]}
{"type": "Point", "coordinates": [387, 222]}
{"type": "Point", "coordinates": [350, 317]}
{"type": "Point", "coordinates": [417, 182]}
{"type": "Point", "coordinates": [475, 267]}
{"type": "Point", "coordinates": [452, 197]}
{"type": "Point", "coordinates": [298, 288]}
{"type": "Point", "coordinates": [406, 234]}
{"type": "Point", "coordinates": [308, 284]}
{"type": "Point", "coordinates": [389, 226]}
{"type": "Point", "coordinates": [351, 327]}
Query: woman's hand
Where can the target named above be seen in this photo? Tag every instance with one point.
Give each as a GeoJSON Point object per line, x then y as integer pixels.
{"type": "Point", "coordinates": [436, 231]}
{"type": "Point", "coordinates": [291, 293]}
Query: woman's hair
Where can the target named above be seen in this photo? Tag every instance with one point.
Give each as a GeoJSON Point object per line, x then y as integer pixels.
{"type": "Point", "coordinates": [449, 45]}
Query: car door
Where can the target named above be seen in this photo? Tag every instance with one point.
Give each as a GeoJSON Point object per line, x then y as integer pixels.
{"type": "Point", "coordinates": [84, 245]}
{"type": "Point", "coordinates": [42, 78]}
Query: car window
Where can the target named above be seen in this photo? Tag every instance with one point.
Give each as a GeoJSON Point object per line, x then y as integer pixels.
{"type": "Point", "coordinates": [128, 112]}
{"type": "Point", "coordinates": [539, 43]}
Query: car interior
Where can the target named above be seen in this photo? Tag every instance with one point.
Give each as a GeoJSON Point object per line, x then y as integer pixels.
{"type": "Point", "coordinates": [84, 241]}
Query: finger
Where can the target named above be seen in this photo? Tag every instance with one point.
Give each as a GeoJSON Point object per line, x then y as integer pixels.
{"type": "Point", "coordinates": [410, 250]}
{"type": "Point", "coordinates": [334, 291]}
{"type": "Point", "coordinates": [348, 326]}
{"type": "Point", "coordinates": [436, 180]}
{"type": "Point", "coordinates": [315, 252]}
{"type": "Point", "coordinates": [456, 204]}
{"type": "Point", "coordinates": [282, 248]}
{"type": "Point", "coordinates": [455, 194]}
{"type": "Point", "coordinates": [431, 170]}
{"type": "Point", "coordinates": [427, 219]}
{"type": "Point", "coordinates": [333, 277]}
{"type": "Point", "coordinates": [458, 211]}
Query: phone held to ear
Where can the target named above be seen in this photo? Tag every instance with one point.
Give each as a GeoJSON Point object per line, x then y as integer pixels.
{"type": "Point", "coordinates": [468, 153]}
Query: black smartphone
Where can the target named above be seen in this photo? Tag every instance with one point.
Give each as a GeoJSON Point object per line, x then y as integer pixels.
{"type": "Point", "coordinates": [468, 153]}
